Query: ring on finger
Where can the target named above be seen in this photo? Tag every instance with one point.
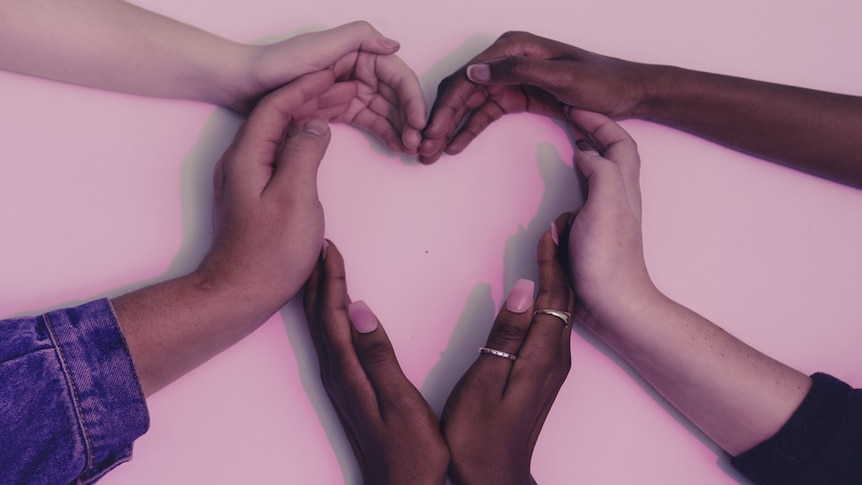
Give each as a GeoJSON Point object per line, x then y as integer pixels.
{"type": "Point", "coordinates": [497, 353]}
{"type": "Point", "coordinates": [563, 316]}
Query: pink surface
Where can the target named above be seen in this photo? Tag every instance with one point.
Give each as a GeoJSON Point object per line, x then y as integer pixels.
{"type": "Point", "coordinates": [103, 193]}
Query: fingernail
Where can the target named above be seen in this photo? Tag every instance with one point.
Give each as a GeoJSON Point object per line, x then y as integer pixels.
{"type": "Point", "coordinates": [323, 250]}
{"type": "Point", "coordinates": [585, 146]}
{"type": "Point", "coordinates": [362, 317]}
{"type": "Point", "coordinates": [390, 43]}
{"type": "Point", "coordinates": [479, 73]}
{"type": "Point", "coordinates": [521, 296]}
{"type": "Point", "coordinates": [554, 234]}
{"type": "Point", "coordinates": [318, 127]}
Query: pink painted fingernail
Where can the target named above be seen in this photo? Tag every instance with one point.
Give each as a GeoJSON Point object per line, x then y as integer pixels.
{"type": "Point", "coordinates": [390, 43]}
{"type": "Point", "coordinates": [521, 296]}
{"type": "Point", "coordinates": [479, 73]}
{"type": "Point", "coordinates": [363, 319]}
{"type": "Point", "coordinates": [323, 250]}
{"type": "Point", "coordinates": [554, 234]}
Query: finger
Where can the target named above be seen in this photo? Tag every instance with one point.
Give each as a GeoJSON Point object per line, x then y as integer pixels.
{"type": "Point", "coordinates": [560, 231]}
{"type": "Point", "coordinates": [545, 358]}
{"type": "Point", "coordinates": [311, 304]}
{"type": "Point", "coordinates": [476, 124]}
{"type": "Point", "coordinates": [507, 335]}
{"type": "Point", "coordinates": [619, 147]}
{"type": "Point", "coordinates": [394, 73]}
{"type": "Point", "coordinates": [346, 383]}
{"type": "Point", "coordinates": [386, 118]}
{"type": "Point", "coordinates": [329, 104]}
{"type": "Point", "coordinates": [449, 108]}
{"type": "Point", "coordinates": [447, 113]}
{"type": "Point", "coordinates": [248, 162]}
{"type": "Point", "coordinates": [378, 359]}
{"type": "Point", "coordinates": [378, 125]}
{"type": "Point", "coordinates": [550, 75]}
{"type": "Point", "coordinates": [328, 46]}
{"type": "Point", "coordinates": [295, 177]}
{"type": "Point", "coordinates": [604, 179]}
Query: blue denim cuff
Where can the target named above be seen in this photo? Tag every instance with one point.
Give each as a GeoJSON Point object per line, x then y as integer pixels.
{"type": "Point", "coordinates": [70, 401]}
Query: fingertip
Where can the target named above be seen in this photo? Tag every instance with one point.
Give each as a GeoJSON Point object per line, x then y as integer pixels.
{"type": "Point", "coordinates": [361, 316]}
{"type": "Point", "coordinates": [316, 127]}
{"type": "Point", "coordinates": [411, 139]}
{"type": "Point", "coordinates": [331, 257]}
{"type": "Point", "coordinates": [434, 129]}
{"type": "Point", "coordinates": [479, 73]}
{"type": "Point", "coordinates": [457, 145]}
{"type": "Point", "coordinates": [563, 221]}
{"type": "Point", "coordinates": [521, 296]}
{"type": "Point", "coordinates": [429, 159]}
{"type": "Point", "coordinates": [391, 45]}
{"type": "Point", "coordinates": [324, 249]}
{"type": "Point", "coordinates": [547, 249]}
{"type": "Point", "coordinates": [429, 151]}
{"type": "Point", "coordinates": [416, 119]}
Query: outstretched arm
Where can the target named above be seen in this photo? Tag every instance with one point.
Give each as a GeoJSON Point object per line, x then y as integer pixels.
{"type": "Point", "coordinates": [813, 131]}
{"type": "Point", "coordinates": [738, 396]}
{"type": "Point", "coordinates": [111, 44]}
{"type": "Point", "coordinates": [268, 235]}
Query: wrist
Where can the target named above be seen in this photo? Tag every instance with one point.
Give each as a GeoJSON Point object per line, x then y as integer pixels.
{"type": "Point", "coordinates": [657, 86]}
{"type": "Point", "coordinates": [477, 474]}
{"type": "Point", "coordinates": [236, 83]}
{"type": "Point", "coordinates": [612, 319]}
{"type": "Point", "coordinates": [246, 296]}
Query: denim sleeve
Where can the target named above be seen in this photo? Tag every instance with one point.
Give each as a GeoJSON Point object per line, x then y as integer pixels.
{"type": "Point", "coordinates": [70, 401]}
{"type": "Point", "coordinates": [820, 443]}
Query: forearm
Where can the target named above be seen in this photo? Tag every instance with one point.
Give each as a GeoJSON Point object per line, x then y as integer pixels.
{"type": "Point", "coordinates": [736, 395]}
{"type": "Point", "coordinates": [813, 131]}
{"type": "Point", "coordinates": [174, 326]}
{"type": "Point", "coordinates": [110, 44]}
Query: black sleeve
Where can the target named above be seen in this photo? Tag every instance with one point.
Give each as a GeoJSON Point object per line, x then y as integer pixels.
{"type": "Point", "coordinates": [821, 443]}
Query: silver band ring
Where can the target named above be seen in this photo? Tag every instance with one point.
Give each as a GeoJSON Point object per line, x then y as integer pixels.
{"type": "Point", "coordinates": [563, 316]}
{"type": "Point", "coordinates": [498, 353]}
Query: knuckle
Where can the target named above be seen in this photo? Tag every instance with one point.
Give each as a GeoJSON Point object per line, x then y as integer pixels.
{"type": "Point", "coordinates": [516, 66]}
{"type": "Point", "coordinates": [481, 381]}
{"type": "Point", "coordinates": [516, 35]}
{"type": "Point", "coordinates": [546, 361]}
{"type": "Point", "coordinates": [362, 25]}
{"type": "Point", "coordinates": [564, 78]}
{"type": "Point", "coordinates": [554, 297]}
{"type": "Point", "coordinates": [377, 353]}
{"type": "Point", "coordinates": [507, 333]}
{"type": "Point", "coordinates": [446, 82]}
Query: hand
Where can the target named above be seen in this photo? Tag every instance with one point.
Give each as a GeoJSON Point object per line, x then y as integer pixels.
{"type": "Point", "coordinates": [389, 102]}
{"type": "Point", "coordinates": [523, 72]}
{"type": "Point", "coordinates": [605, 243]}
{"type": "Point", "coordinates": [392, 429]}
{"type": "Point", "coordinates": [494, 415]}
{"type": "Point", "coordinates": [268, 219]}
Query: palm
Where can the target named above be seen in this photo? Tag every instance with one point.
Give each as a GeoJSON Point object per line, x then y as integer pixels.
{"type": "Point", "coordinates": [388, 101]}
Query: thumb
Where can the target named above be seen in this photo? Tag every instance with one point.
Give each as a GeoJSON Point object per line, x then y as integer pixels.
{"type": "Point", "coordinates": [295, 176]}
{"type": "Point", "coordinates": [550, 75]}
{"type": "Point", "coordinates": [330, 45]}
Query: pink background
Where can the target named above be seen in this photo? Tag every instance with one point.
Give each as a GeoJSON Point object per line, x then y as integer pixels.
{"type": "Point", "coordinates": [104, 193]}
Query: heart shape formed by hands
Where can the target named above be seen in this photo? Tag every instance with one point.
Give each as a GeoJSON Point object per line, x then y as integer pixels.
{"type": "Point", "coordinates": [393, 423]}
